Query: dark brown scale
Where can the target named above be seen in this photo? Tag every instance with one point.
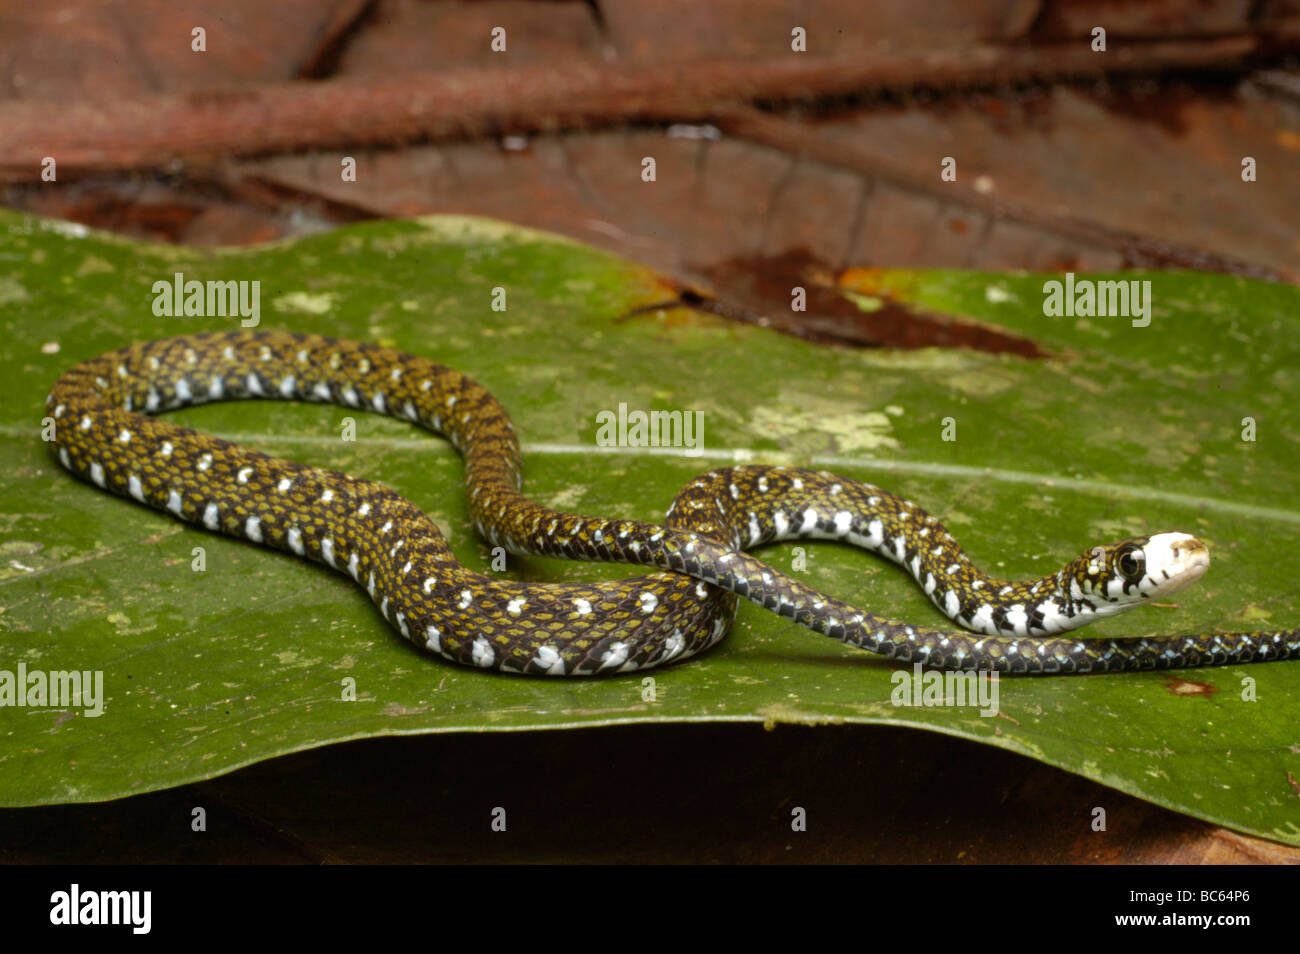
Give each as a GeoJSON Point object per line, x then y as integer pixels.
{"type": "Point", "coordinates": [399, 556]}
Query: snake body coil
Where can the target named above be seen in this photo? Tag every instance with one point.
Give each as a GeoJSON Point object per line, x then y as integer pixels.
{"type": "Point", "coordinates": [391, 548]}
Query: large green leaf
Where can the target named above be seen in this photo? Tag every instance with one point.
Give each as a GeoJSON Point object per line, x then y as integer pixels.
{"type": "Point", "coordinates": [1126, 430]}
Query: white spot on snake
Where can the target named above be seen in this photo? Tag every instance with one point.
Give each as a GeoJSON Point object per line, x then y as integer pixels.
{"type": "Point", "coordinates": [466, 597]}
{"type": "Point", "coordinates": [755, 531]}
{"type": "Point", "coordinates": [762, 484]}
{"type": "Point", "coordinates": [432, 638]}
{"type": "Point", "coordinates": [295, 541]}
{"type": "Point", "coordinates": [549, 661]}
{"type": "Point", "coordinates": [514, 607]}
{"type": "Point", "coordinates": [254, 385]}
{"type": "Point", "coordinates": [227, 352]}
{"type": "Point", "coordinates": [379, 403]}
{"type": "Point", "coordinates": [364, 509]}
{"type": "Point", "coordinates": [63, 458]}
{"type": "Point", "coordinates": [875, 535]}
{"type": "Point", "coordinates": [583, 607]}
{"type": "Point", "coordinates": [809, 520]}
{"type": "Point", "coordinates": [397, 373]}
{"type": "Point", "coordinates": [407, 568]}
{"type": "Point", "coordinates": [287, 384]}
{"type": "Point", "coordinates": [483, 654]}
{"type": "Point", "coordinates": [409, 410]}
{"type": "Point", "coordinates": [701, 590]}
{"type": "Point", "coordinates": [205, 462]}
{"type": "Point", "coordinates": [244, 474]}
{"type": "Point", "coordinates": [364, 365]}
{"type": "Point", "coordinates": [426, 385]}
{"type": "Point", "coordinates": [353, 566]}
{"type": "Point", "coordinates": [85, 422]}
{"type": "Point", "coordinates": [843, 521]}
{"type": "Point", "coordinates": [835, 489]}
{"type": "Point", "coordinates": [321, 391]}
{"type": "Point", "coordinates": [302, 356]}
{"type": "Point", "coordinates": [253, 529]}
{"type": "Point", "coordinates": [615, 656]}
{"type": "Point", "coordinates": [1018, 620]}
{"type": "Point", "coordinates": [401, 625]}
{"type": "Point", "coordinates": [781, 522]}
{"type": "Point", "coordinates": [982, 620]}
{"type": "Point", "coordinates": [216, 387]}
{"type": "Point", "coordinates": [166, 449]}
{"type": "Point", "coordinates": [383, 607]}
{"type": "Point", "coordinates": [135, 488]}
{"type": "Point", "coordinates": [735, 492]}
{"type": "Point", "coordinates": [151, 400]}
{"type": "Point", "coordinates": [350, 396]}
{"type": "Point", "coordinates": [648, 602]}
{"type": "Point", "coordinates": [327, 496]}
{"type": "Point", "coordinates": [797, 484]}
{"type": "Point", "coordinates": [370, 584]}
{"type": "Point", "coordinates": [429, 583]}
{"type": "Point", "coordinates": [1054, 621]}
{"type": "Point", "coordinates": [121, 370]}
{"type": "Point", "coordinates": [211, 518]}
{"type": "Point", "coordinates": [174, 502]}
{"type": "Point", "coordinates": [386, 527]}
{"type": "Point", "coordinates": [451, 400]}
{"type": "Point", "coordinates": [327, 550]}
{"type": "Point", "coordinates": [951, 604]}
{"type": "Point", "coordinates": [124, 437]}
{"type": "Point", "coordinates": [284, 484]}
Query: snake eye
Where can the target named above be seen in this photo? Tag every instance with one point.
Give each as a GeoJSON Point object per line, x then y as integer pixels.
{"type": "Point", "coordinates": [1129, 561]}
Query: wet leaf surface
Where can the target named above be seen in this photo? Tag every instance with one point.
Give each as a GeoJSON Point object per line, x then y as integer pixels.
{"type": "Point", "coordinates": [1125, 430]}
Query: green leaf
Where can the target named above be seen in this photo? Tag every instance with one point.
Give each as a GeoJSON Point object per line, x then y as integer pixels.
{"type": "Point", "coordinates": [1127, 430]}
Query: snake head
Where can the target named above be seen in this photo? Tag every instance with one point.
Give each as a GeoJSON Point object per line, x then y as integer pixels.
{"type": "Point", "coordinates": [1140, 568]}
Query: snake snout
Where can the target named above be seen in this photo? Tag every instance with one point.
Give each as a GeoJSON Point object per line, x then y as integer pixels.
{"type": "Point", "coordinates": [1174, 560]}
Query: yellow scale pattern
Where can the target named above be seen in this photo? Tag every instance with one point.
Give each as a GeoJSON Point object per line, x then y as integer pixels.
{"type": "Point", "coordinates": [105, 434]}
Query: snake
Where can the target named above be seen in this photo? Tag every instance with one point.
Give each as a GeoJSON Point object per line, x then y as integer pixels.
{"type": "Point", "coordinates": [106, 431]}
